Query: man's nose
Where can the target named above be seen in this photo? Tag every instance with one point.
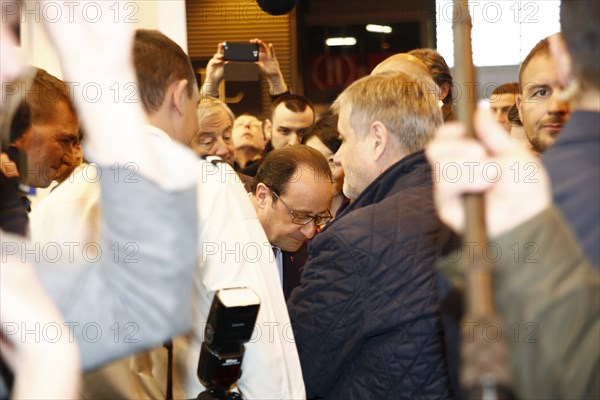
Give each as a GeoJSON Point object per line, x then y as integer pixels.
{"type": "Point", "coordinates": [309, 230]}
{"type": "Point", "coordinates": [295, 139]}
{"type": "Point", "coordinates": [221, 148]}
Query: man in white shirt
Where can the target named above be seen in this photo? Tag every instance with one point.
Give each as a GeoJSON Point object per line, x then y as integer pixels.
{"type": "Point", "coordinates": [231, 253]}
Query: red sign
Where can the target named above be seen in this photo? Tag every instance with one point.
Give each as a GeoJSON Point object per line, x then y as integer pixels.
{"type": "Point", "coordinates": [333, 72]}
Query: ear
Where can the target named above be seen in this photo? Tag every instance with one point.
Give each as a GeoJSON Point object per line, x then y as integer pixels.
{"type": "Point", "coordinates": [23, 142]}
{"type": "Point", "coordinates": [562, 59]}
{"type": "Point", "coordinates": [520, 106]}
{"type": "Point", "coordinates": [444, 90]}
{"type": "Point", "coordinates": [180, 95]}
{"type": "Point", "coordinates": [262, 194]}
{"type": "Point", "coordinates": [267, 129]}
{"type": "Point", "coordinates": [380, 137]}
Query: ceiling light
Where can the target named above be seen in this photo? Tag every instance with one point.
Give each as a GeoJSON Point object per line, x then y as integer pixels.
{"type": "Point", "coordinates": [340, 41]}
{"type": "Point", "coordinates": [379, 28]}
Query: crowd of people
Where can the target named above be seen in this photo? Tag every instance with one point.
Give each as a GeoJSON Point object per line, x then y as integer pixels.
{"type": "Point", "coordinates": [347, 225]}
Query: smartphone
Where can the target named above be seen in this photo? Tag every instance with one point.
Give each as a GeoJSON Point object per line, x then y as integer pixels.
{"type": "Point", "coordinates": [241, 51]}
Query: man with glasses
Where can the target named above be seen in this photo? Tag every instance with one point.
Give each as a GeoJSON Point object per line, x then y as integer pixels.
{"type": "Point", "coordinates": [291, 195]}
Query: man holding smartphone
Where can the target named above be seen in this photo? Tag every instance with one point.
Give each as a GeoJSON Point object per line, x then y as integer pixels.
{"type": "Point", "coordinates": [291, 114]}
{"type": "Point", "coordinates": [268, 67]}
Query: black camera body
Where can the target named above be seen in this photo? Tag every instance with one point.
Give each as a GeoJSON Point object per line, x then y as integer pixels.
{"type": "Point", "coordinates": [230, 324]}
{"type": "Point", "coordinates": [240, 51]}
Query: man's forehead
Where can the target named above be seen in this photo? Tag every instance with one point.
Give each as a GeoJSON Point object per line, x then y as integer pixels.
{"type": "Point", "coordinates": [57, 131]}
{"type": "Point", "coordinates": [540, 67]}
{"type": "Point", "coordinates": [282, 112]}
{"type": "Point", "coordinates": [345, 111]}
{"type": "Point", "coordinates": [215, 125]}
{"type": "Point", "coordinates": [61, 115]}
{"type": "Point", "coordinates": [306, 192]}
{"type": "Point", "coordinates": [247, 117]}
{"type": "Point", "coordinates": [218, 118]}
{"type": "Point", "coordinates": [502, 100]}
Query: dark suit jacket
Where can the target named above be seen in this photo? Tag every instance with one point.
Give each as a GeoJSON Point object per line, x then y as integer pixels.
{"type": "Point", "coordinates": [366, 317]}
{"type": "Point", "coordinates": [252, 168]}
{"type": "Point", "coordinates": [292, 265]}
{"type": "Point", "coordinates": [13, 212]}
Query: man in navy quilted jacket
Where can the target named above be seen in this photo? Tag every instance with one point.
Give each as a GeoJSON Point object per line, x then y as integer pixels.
{"type": "Point", "coordinates": [366, 315]}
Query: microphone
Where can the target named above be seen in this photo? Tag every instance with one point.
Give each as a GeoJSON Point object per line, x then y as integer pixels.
{"type": "Point", "coordinates": [276, 7]}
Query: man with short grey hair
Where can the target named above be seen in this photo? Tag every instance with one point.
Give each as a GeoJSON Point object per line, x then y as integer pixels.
{"type": "Point", "coordinates": [366, 315]}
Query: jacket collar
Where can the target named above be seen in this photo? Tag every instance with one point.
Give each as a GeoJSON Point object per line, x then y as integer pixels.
{"type": "Point", "coordinates": [412, 170]}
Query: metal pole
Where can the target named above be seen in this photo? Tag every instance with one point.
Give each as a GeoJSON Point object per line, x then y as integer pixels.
{"type": "Point", "coordinates": [484, 364]}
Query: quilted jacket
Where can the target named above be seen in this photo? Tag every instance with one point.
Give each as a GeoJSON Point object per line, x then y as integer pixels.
{"type": "Point", "coordinates": [366, 315]}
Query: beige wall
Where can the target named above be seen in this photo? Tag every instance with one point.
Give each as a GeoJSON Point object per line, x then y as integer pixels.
{"type": "Point", "coordinates": [212, 21]}
{"type": "Point", "coordinates": [165, 15]}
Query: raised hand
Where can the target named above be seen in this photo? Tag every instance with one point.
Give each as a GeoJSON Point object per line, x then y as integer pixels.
{"type": "Point", "coordinates": [269, 67]}
{"type": "Point", "coordinates": [214, 73]}
{"type": "Point", "coordinates": [514, 183]}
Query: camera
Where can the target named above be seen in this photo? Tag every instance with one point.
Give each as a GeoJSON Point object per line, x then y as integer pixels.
{"type": "Point", "coordinates": [230, 324]}
{"type": "Point", "coordinates": [240, 51]}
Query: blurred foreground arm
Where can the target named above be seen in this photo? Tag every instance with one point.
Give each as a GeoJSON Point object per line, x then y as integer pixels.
{"type": "Point", "coordinates": [136, 292]}
{"type": "Point", "coordinates": [43, 367]}
{"type": "Point", "coordinates": [547, 292]}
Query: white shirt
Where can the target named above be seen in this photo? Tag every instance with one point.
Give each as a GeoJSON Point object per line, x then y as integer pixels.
{"type": "Point", "coordinates": [69, 217]}
{"type": "Point", "coordinates": [235, 252]}
{"type": "Point", "coordinates": [279, 261]}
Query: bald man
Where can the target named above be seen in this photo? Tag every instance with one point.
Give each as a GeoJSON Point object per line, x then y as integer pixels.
{"type": "Point", "coordinates": [401, 62]}
{"type": "Point", "coordinates": [406, 63]}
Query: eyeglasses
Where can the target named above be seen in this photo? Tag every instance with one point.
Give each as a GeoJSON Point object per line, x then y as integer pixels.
{"type": "Point", "coordinates": [300, 218]}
